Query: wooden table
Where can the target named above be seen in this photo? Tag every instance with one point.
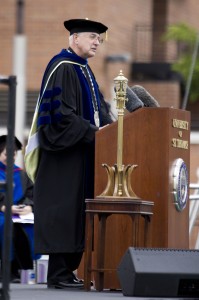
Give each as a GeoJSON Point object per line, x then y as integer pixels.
{"type": "Point", "coordinates": [103, 208]}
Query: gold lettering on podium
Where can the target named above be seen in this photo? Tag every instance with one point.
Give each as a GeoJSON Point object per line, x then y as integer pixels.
{"type": "Point", "coordinates": [177, 143]}
{"type": "Point", "coordinates": [182, 125]}
{"type": "Point", "coordinates": [180, 133]}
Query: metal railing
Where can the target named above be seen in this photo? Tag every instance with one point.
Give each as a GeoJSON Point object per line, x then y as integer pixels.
{"type": "Point", "coordinates": [194, 209]}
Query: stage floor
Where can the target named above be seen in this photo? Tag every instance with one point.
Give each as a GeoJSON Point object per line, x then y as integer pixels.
{"type": "Point", "coordinates": [41, 292]}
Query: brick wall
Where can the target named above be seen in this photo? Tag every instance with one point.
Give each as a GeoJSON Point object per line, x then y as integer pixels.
{"type": "Point", "coordinates": [46, 36]}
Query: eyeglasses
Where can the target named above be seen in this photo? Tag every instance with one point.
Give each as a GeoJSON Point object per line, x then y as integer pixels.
{"type": "Point", "coordinates": [95, 37]}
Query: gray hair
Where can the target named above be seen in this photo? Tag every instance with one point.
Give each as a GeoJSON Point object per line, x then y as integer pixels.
{"type": "Point", "coordinates": [70, 39]}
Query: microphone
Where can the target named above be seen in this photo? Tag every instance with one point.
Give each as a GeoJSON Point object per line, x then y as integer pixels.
{"type": "Point", "coordinates": [133, 102]}
{"type": "Point", "coordinates": [144, 96]}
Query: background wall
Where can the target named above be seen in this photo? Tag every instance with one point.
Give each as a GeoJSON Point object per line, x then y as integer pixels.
{"type": "Point", "coordinates": [46, 36]}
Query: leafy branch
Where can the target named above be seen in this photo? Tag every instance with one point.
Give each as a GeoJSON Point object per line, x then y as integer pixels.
{"type": "Point", "coordinates": [186, 37]}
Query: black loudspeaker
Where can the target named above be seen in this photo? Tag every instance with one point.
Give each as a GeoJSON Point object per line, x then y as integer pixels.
{"type": "Point", "coordinates": [159, 273]}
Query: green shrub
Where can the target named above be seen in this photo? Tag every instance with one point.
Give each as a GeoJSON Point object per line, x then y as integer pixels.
{"type": "Point", "coordinates": [186, 37]}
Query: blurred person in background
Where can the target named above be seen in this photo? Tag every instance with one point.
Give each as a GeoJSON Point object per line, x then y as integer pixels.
{"type": "Point", "coordinates": [22, 250]}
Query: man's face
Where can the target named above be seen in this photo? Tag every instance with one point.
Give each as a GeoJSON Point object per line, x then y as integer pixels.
{"type": "Point", "coordinates": [3, 156]}
{"type": "Point", "coordinates": [87, 43]}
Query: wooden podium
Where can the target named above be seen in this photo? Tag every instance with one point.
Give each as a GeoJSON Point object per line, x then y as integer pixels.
{"type": "Point", "coordinates": [154, 139]}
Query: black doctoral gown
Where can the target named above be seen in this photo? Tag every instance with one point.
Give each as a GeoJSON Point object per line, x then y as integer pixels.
{"type": "Point", "coordinates": [65, 176]}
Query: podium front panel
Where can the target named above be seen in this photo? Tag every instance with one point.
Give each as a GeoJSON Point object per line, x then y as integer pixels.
{"type": "Point", "coordinates": [153, 139]}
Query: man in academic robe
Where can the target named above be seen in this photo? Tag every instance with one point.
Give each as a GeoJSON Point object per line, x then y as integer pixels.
{"type": "Point", "coordinates": [71, 109]}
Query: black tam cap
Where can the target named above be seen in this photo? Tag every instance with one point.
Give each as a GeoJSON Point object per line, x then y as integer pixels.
{"type": "Point", "coordinates": [84, 25]}
{"type": "Point", "coordinates": [3, 138]}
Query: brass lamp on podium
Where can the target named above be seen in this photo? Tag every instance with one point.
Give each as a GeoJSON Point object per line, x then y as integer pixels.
{"type": "Point", "coordinates": [119, 175]}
